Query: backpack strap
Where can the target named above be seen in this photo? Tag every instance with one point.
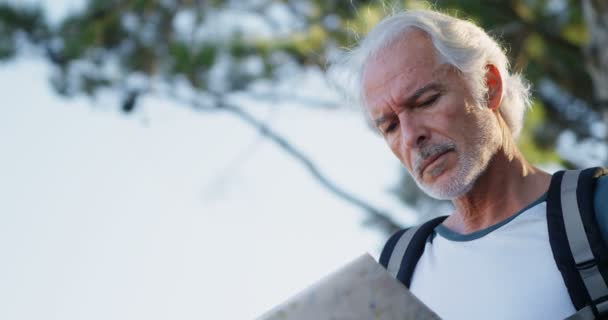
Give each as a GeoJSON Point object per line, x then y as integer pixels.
{"type": "Point", "coordinates": [578, 249]}
{"type": "Point", "coordinates": [404, 248]}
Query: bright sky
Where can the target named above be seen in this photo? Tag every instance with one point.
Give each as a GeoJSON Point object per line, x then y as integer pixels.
{"type": "Point", "coordinates": [169, 213]}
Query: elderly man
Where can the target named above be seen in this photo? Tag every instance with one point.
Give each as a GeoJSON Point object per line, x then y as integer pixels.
{"type": "Point", "coordinates": [440, 92]}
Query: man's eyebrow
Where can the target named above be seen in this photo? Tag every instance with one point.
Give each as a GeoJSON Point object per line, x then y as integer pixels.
{"type": "Point", "coordinates": [428, 87]}
{"type": "Point", "coordinates": [412, 99]}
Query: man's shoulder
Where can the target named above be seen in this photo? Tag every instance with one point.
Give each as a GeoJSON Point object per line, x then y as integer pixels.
{"type": "Point", "coordinates": [601, 206]}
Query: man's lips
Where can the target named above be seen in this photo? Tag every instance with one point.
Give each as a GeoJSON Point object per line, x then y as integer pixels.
{"type": "Point", "coordinates": [430, 160]}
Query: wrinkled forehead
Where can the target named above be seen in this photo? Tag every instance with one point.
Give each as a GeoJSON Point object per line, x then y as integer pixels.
{"type": "Point", "coordinates": [409, 60]}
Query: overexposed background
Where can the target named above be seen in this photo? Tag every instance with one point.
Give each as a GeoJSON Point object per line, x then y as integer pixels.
{"type": "Point", "coordinates": [168, 213]}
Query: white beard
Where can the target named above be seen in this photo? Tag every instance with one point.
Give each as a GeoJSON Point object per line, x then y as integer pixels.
{"type": "Point", "coordinates": [471, 163]}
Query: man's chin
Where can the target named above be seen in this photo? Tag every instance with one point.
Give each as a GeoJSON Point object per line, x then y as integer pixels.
{"type": "Point", "coordinates": [447, 193]}
{"type": "Point", "coordinates": [444, 187]}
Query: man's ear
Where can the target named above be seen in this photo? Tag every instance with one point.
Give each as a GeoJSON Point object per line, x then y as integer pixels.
{"type": "Point", "coordinates": [494, 85]}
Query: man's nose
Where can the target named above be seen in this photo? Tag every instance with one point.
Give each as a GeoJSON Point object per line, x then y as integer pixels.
{"type": "Point", "coordinates": [413, 132]}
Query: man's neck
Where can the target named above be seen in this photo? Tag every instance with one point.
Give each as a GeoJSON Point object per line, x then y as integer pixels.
{"type": "Point", "coordinates": [505, 188]}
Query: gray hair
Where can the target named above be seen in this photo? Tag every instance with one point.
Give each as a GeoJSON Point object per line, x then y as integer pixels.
{"type": "Point", "coordinates": [457, 42]}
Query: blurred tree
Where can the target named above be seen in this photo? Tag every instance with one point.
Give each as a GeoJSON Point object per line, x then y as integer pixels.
{"type": "Point", "coordinates": [204, 53]}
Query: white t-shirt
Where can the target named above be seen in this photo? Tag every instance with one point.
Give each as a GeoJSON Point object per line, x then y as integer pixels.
{"type": "Point", "coordinates": [506, 271]}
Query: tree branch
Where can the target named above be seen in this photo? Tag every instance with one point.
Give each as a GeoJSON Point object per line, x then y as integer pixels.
{"type": "Point", "coordinates": [377, 218]}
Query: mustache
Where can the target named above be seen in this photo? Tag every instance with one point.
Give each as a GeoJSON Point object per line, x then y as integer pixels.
{"type": "Point", "coordinates": [430, 151]}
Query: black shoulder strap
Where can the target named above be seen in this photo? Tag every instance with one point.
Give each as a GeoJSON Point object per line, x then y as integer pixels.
{"type": "Point", "coordinates": [404, 248]}
{"type": "Point", "coordinates": [578, 249]}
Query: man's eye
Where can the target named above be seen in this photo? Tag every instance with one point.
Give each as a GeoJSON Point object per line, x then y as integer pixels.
{"type": "Point", "coordinates": [390, 128]}
{"type": "Point", "coordinates": [430, 101]}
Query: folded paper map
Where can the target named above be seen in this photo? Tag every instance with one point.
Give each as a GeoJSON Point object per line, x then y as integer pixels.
{"type": "Point", "coordinates": [361, 290]}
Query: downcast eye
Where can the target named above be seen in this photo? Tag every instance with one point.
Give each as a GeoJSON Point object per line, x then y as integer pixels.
{"type": "Point", "coordinates": [430, 101]}
{"type": "Point", "coordinates": [390, 128]}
